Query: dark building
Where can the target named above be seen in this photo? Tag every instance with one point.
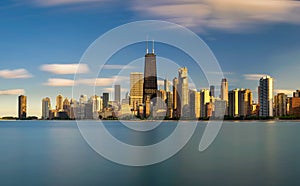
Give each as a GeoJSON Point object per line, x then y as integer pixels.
{"type": "Point", "coordinates": [117, 93]}
{"type": "Point", "coordinates": [150, 76]}
{"type": "Point", "coordinates": [212, 91]}
{"type": "Point", "coordinates": [22, 107]}
{"type": "Point", "coordinates": [105, 98]}
{"type": "Point", "coordinates": [296, 94]}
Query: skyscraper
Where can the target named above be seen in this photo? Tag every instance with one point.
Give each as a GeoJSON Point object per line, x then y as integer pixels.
{"type": "Point", "coordinates": [150, 76]}
{"type": "Point", "coordinates": [224, 90]}
{"type": "Point", "coordinates": [117, 93]}
{"type": "Point", "coordinates": [195, 104]}
{"type": "Point", "coordinates": [233, 103]}
{"type": "Point", "coordinates": [105, 98]}
{"type": "Point", "coordinates": [204, 99]}
{"type": "Point", "coordinates": [280, 104]}
{"type": "Point", "coordinates": [46, 107]}
{"type": "Point", "coordinates": [245, 102]}
{"type": "Point", "coordinates": [22, 107]}
{"type": "Point", "coordinates": [167, 85]}
{"type": "Point", "coordinates": [296, 94]}
{"type": "Point", "coordinates": [183, 91]}
{"type": "Point", "coordinates": [67, 107]}
{"type": "Point", "coordinates": [136, 89]}
{"type": "Point", "coordinates": [295, 104]}
{"type": "Point", "coordinates": [266, 89]}
{"type": "Point", "coordinates": [212, 91]}
{"type": "Point", "coordinates": [59, 103]}
{"type": "Point", "coordinates": [169, 103]}
{"type": "Point", "coordinates": [175, 93]}
{"type": "Point", "coordinates": [81, 114]}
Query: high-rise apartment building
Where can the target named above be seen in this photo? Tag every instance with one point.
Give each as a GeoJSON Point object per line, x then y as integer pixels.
{"type": "Point", "coordinates": [67, 107]}
{"type": "Point", "coordinates": [117, 93]}
{"type": "Point", "coordinates": [204, 99]}
{"type": "Point", "coordinates": [175, 93]}
{"type": "Point", "coordinates": [136, 89]}
{"type": "Point", "coordinates": [105, 99]}
{"type": "Point", "coordinates": [266, 89]}
{"type": "Point", "coordinates": [295, 104]}
{"type": "Point", "coordinates": [224, 90]}
{"type": "Point", "coordinates": [22, 107]}
{"type": "Point", "coordinates": [245, 102]}
{"type": "Point", "coordinates": [59, 103]}
{"type": "Point", "coordinates": [46, 107]}
{"type": "Point", "coordinates": [169, 102]}
{"type": "Point", "coordinates": [195, 104]}
{"type": "Point", "coordinates": [212, 91]}
{"type": "Point", "coordinates": [280, 102]}
{"type": "Point", "coordinates": [233, 103]}
{"type": "Point", "coordinates": [183, 92]}
{"type": "Point", "coordinates": [167, 85]}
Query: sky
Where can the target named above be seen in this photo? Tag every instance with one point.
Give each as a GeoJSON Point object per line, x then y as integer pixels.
{"type": "Point", "coordinates": [42, 42]}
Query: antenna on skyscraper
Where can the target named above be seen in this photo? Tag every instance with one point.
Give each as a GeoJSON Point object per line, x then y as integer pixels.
{"type": "Point", "coordinates": [152, 46]}
{"type": "Point", "coordinates": [147, 51]}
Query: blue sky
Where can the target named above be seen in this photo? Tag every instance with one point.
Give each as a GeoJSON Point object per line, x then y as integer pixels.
{"type": "Point", "coordinates": [249, 39]}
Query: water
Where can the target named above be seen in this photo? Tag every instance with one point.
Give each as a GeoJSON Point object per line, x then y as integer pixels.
{"type": "Point", "coordinates": [244, 153]}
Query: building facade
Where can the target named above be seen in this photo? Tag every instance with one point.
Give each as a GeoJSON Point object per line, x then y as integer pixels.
{"type": "Point", "coordinates": [266, 89]}
{"type": "Point", "coordinates": [46, 107]}
{"type": "Point", "coordinates": [233, 103]}
{"type": "Point", "coordinates": [204, 99]}
{"type": "Point", "coordinates": [195, 104]}
{"type": "Point", "coordinates": [117, 94]}
{"type": "Point", "coordinates": [183, 92]}
{"type": "Point", "coordinates": [136, 89]}
{"type": "Point", "coordinates": [150, 76]}
{"type": "Point", "coordinates": [280, 102]}
{"type": "Point", "coordinates": [22, 107]}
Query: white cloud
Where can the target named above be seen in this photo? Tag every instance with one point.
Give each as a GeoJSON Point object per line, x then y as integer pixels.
{"type": "Point", "coordinates": [117, 67]}
{"type": "Point", "coordinates": [15, 74]}
{"type": "Point", "coordinates": [231, 15]}
{"type": "Point", "coordinates": [285, 91]}
{"type": "Point", "coordinates": [12, 92]}
{"type": "Point", "coordinates": [59, 82]}
{"type": "Point", "coordinates": [65, 68]}
{"type": "Point", "coordinates": [49, 3]}
{"type": "Point", "coordinates": [109, 81]}
{"type": "Point", "coordinates": [253, 77]}
{"type": "Point", "coordinates": [96, 82]}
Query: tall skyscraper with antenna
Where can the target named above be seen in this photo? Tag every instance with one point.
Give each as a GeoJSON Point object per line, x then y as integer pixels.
{"type": "Point", "coordinates": [150, 75]}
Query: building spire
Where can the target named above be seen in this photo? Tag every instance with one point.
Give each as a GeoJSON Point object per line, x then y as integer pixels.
{"type": "Point", "coordinates": [147, 51]}
{"type": "Point", "coordinates": [152, 46]}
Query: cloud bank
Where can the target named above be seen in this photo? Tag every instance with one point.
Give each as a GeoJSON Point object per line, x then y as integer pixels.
{"type": "Point", "coordinates": [12, 92]}
{"type": "Point", "coordinates": [65, 68]}
{"type": "Point", "coordinates": [50, 3]}
{"type": "Point", "coordinates": [61, 82]}
{"type": "Point", "coordinates": [15, 74]}
{"type": "Point", "coordinates": [231, 15]}
{"type": "Point", "coordinates": [202, 15]}
{"type": "Point", "coordinates": [253, 77]}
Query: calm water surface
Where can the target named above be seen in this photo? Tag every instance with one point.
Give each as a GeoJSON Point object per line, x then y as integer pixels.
{"type": "Point", "coordinates": [244, 153]}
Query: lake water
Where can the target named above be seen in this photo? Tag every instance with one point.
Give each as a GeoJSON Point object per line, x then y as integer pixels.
{"type": "Point", "coordinates": [244, 153]}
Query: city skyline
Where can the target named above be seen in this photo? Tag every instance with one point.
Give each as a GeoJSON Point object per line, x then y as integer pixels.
{"type": "Point", "coordinates": [43, 42]}
{"type": "Point", "coordinates": [201, 102]}
{"type": "Point", "coordinates": [232, 97]}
